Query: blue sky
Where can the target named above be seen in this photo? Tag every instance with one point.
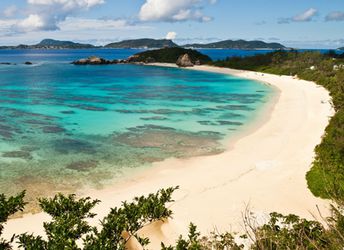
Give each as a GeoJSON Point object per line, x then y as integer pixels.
{"type": "Point", "coordinates": [296, 23]}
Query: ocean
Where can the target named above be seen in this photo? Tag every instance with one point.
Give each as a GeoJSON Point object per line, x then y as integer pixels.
{"type": "Point", "coordinates": [64, 128]}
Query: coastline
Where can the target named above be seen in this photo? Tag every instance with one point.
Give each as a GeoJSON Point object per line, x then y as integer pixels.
{"type": "Point", "coordinates": [264, 168]}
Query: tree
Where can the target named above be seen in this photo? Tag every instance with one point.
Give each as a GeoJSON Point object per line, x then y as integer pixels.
{"type": "Point", "coordinates": [194, 241]}
{"type": "Point", "coordinates": [8, 207]}
{"type": "Point", "coordinates": [69, 228]}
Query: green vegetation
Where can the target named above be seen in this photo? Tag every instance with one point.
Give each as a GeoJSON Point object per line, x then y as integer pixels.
{"type": "Point", "coordinates": [326, 178]}
{"type": "Point", "coordinates": [194, 241]}
{"type": "Point", "coordinates": [9, 207]}
{"type": "Point", "coordinates": [69, 227]}
{"type": "Point", "coordinates": [238, 44]}
{"type": "Point", "coordinates": [50, 43]}
{"type": "Point", "coordinates": [142, 43]}
{"type": "Point", "coordinates": [169, 55]}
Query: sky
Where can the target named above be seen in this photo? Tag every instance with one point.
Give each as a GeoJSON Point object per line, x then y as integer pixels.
{"type": "Point", "coordinates": [294, 23]}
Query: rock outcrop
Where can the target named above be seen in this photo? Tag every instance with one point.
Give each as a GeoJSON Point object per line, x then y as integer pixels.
{"type": "Point", "coordinates": [184, 61]}
{"type": "Point", "coordinates": [94, 60]}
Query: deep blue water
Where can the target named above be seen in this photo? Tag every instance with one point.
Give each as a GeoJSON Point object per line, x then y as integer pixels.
{"type": "Point", "coordinates": [39, 56]}
{"type": "Point", "coordinates": [63, 127]}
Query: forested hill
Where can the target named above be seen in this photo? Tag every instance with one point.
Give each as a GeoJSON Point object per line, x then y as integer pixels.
{"type": "Point", "coordinates": [142, 43]}
{"type": "Point", "coordinates": [237, 44]}
{"type": "Point", "coordinates": [170, 55]}
{"type": "Point", "coordinates": [52, 44]}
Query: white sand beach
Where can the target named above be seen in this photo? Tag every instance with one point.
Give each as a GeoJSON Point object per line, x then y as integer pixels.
{"type": "Point", "coordinates": [265, 168]}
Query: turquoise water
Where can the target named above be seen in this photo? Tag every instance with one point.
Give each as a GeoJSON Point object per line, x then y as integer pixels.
{"type": "Point", "coordinates": [65, 127]}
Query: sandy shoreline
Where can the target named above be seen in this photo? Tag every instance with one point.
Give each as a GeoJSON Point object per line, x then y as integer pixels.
{"type": "Point", "coordinates": [265, 169]}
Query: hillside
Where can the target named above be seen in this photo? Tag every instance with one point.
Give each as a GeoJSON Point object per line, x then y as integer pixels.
{"type": "Point", "coordinates": [147, 43]}
{"type": "Point", "coordinates": [238, 44]}
{"type": "Point", "coordinates": [169, 55]}
{"type": "Point", "coordinates": [51, 44]}
{"type": "Point", "coordinates": [142, 43]}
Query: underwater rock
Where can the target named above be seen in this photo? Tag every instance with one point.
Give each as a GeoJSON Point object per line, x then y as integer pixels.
{"type": "Point", "coordinates": [6, 134]}
{"type": "Point", "coordinates": [230, 115]}
{"type": "Point", "coordinates": [207, 123]}
{"type": "Point", "coordinates": [36, 122]}
{"type": "Point", "coordinates": [68, 112]}
{"type": "Point", "coordinates": [67, 146]}
{"type": "Point", "coordinates": [235, 107]}
{"type": "Point", "coordinates": [53, 129]}
{"type": "Point", "coordinates": [219, 123]}
{"type": "Point", "coordinates": [154, 118]}
{"type": "Point", "coordinates": [88, 107]}
{"type": "Point", "coordinates": [82, 165]}
{"type": "Point", "coordinates": [150, 127]}
{"type": "Point", "coordinates": [230, 123]}
{"type": "Point", "coordinates": [29, 148]}
{"type": "Point", "coordinates": [171, 142]}
{"type": "Point", "coordinates": [18, 154]}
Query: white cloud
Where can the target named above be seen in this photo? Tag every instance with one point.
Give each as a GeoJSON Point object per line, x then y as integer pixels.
{"type": "Point", "coordinates": [68, 4]}
{"type": "Point", "coordinates": [31, 23]}
{"type": "Point", "coordinates": [84, 30]}
{"type": "Point", "coordinates": [46, 15]}
{"type": "Point", "coordinates": [174, 11]}
{"type": "Point", "coordinates": [171, 35]}
{"type": "Point", "coordinates": [86, 24]}
{"type": "Point", "coordinates": [335, 16]}
{"type": "Point", "coordinates": [306, 16]}
{"type": "Point", "coordinates": [10, 11]}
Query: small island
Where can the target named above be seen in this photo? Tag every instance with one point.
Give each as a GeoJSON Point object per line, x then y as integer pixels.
{"type": "Point", "coordinates": [181, 57]}
{"type": "Point", "coordinates": [144, 43]}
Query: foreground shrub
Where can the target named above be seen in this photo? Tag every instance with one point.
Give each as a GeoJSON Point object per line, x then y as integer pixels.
{"type": "Point", "coordinates": [69, 228]}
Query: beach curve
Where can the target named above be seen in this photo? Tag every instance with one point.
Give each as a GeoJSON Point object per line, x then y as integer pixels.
{"type": "Point", "coordinates": [265, 168]}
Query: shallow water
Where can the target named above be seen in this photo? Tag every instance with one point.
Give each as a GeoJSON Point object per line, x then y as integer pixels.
{"type": "Point", "coordinates": [65, 127]}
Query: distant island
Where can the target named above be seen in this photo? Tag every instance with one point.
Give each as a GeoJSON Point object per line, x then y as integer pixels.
{"type": "Point", "coordinates": [342, 48]}
{"type": "Point", "coordinates": [238, 44]}
{"type": "Point", "coordinates": [52, 44]}
{"type": "Point", "coordinates": [180, 56]}
{"type": "Point", "coordinates": [147, 43]}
